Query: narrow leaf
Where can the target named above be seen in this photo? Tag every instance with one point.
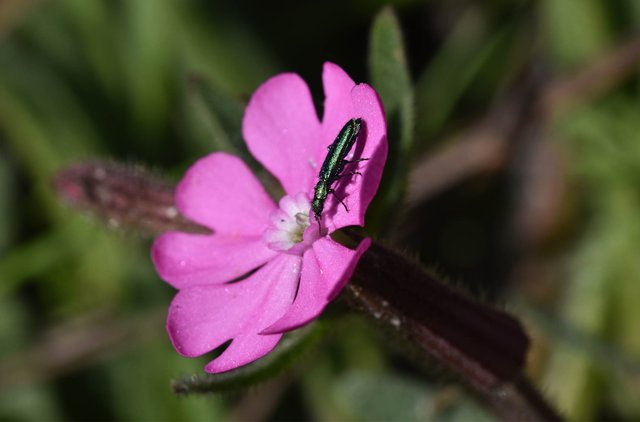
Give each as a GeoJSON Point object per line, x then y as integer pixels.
{"type": "Point", "coordinates": [390, 76]}
{"type": "Point", "coordinates": [452, 71]}
{"type": "Point", "coordinates": [212, 117]}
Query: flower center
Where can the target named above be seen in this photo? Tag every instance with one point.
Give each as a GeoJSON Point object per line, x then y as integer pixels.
{"type": "Point", "coordinates": [288, 224]}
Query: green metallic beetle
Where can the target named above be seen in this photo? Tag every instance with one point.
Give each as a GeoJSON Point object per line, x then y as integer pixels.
{"type": "Point", "coordinates": [333, 166]}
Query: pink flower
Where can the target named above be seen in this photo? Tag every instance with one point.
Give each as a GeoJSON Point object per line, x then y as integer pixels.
{"type": "Point", "coordinates": [266, 269]}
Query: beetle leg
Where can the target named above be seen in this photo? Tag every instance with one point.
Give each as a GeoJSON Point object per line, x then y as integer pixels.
{"type": "Point", "coordinates": [332, 192]}
{"type": "Point", "coordinates": [357, 160]}
{"type": "Point", "coordinates": [351, 173]}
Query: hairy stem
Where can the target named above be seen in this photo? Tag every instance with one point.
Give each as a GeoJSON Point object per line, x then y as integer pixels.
{"type": "Point", "coordinates": [486, 347]}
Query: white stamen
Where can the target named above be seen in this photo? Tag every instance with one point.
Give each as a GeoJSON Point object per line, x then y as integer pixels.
{"type": "Point", "coordinates": [288, 223]}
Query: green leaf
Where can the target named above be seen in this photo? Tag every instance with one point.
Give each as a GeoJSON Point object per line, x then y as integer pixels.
{"type": "Point", "coordinates": [150, 30]}
{"type": "Point", "coordinates": [389, 71]}
{"type": "Point", "coordinates": [390, 397]}
{"type": "Point", "coordinates": [390, 76]}
{"type": "Point", "coordinates": [90, 22]}
{"type": "Point", "coordinates": [452, 70]}
{"type": "Point", "coordinates": [576, 30]}
{"type": "Point", "coordinates": [153, 365]}
{"type": "Point", "coordinates": [29, 404]}
{"type": "Point", "coordinates": [7, 204]}
{"type": "Point", "coordinates": [601, 299]}
{"type": "Point", "coordinates": [36, 256]}
{"type": "Point", "coordinates": [212, 118]}
{"type": "Point", "coordinates": [226, 50]}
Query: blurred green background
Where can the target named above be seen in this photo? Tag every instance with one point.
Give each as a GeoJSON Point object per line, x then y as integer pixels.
{"type": "Point", "coordinates": [545, 222]}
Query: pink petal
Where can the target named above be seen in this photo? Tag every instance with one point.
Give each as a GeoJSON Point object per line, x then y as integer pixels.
{"type": "Point", "coordinates": [220, 192]}
{"type": "Point", "coordinates": [184, 259]}
{"type": "Point", "coordinates": [203, 317]}
{"type": "Point", "coordinates": [325, 270]}
{"type": "Point", "coordinates": [282, 131]}
{"type": "Point", "coordinates": [242, 350]}
{"type": "Point", "coordinates": [357, 191]}
{"type": "Point", "coordinates": [338, 107]}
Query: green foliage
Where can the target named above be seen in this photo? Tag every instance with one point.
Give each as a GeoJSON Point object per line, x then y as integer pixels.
{"type": "Point", "coordinates": [390, 77]}
{"type": "Point", "coordinates": [453, 70]}
{"type": "Point", "coordinates": [575, 29]}
{"type": "Point", "coordinates": [7, 209]}
{"type": "Point", "coordinates": [156, 365]}
{"type": "Point", "coordinates": [601, 299]}
{"type": "Point", "coordinates": [212, 118]}
{"type": "Point", "coordinates": [388, 397]}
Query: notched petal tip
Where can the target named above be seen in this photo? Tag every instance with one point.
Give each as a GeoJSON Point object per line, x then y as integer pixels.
{"type": "Point", "coordinates": [335, 76]}
{"type": "Point", "coordinates": [243, 350]}
{"type": "Point", "coordinates": [325, 271]}
{"type": "Point", "coordinates": [203, 317]}
{"type": "Point", "coordinates": [282, 130]}
{"type": "Point", "coordinates": [220, 192]}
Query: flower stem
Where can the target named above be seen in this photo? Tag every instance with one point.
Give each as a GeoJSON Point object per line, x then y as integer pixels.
{"type": "Point", "coordinates": [486, 347]}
